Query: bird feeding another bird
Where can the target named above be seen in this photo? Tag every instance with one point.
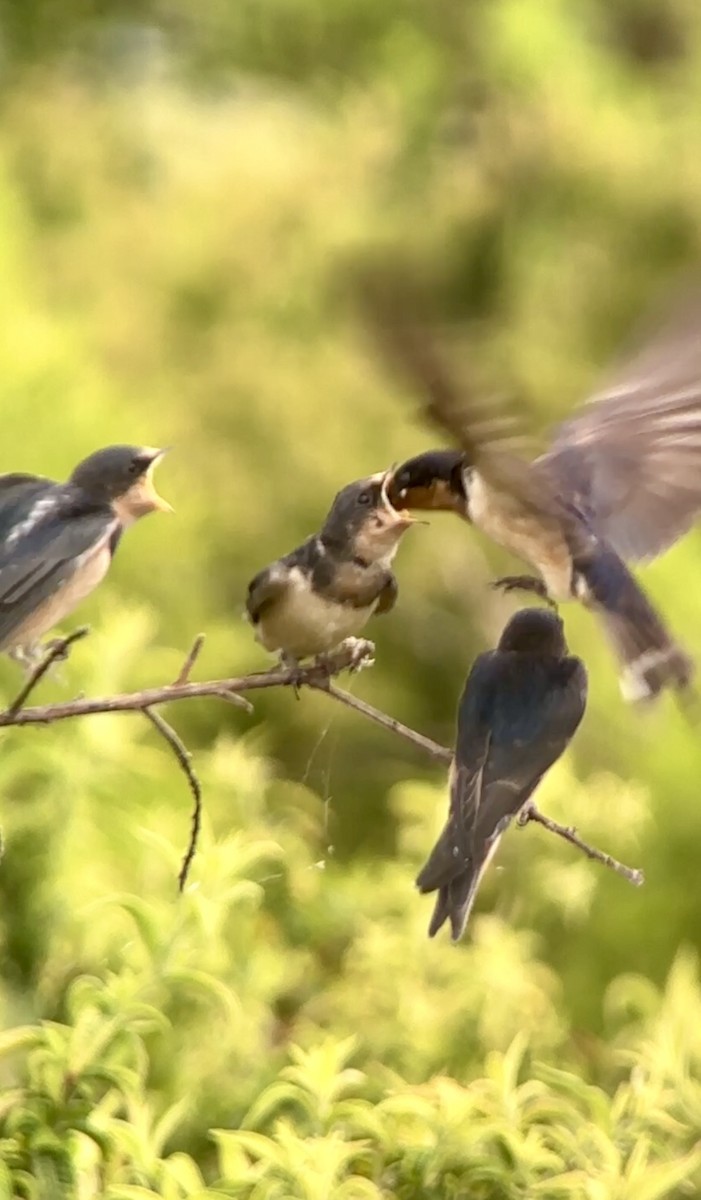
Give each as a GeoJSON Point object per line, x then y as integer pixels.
{"type": "Point", "coordinates": [621, 481]}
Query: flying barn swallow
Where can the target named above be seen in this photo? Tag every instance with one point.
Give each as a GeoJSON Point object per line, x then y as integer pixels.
{"type": "Point", "coordinates": [520, 708]}
{"type": "Point", "coordinates": [306, 603]}
{"type": "Point", "coordinates": [620, 482]}
{"type": "Point", "coordinates": [57, 539]}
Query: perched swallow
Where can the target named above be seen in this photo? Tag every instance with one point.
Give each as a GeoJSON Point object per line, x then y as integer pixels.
{"type": "Point", "coordinates": [308, 602]}
{"type": "Point", "coordinates": [520, 708]}
{"type": "Point", "coordinates": [57, 539]}
{"type": "Point", "coordinates": [620, 481]}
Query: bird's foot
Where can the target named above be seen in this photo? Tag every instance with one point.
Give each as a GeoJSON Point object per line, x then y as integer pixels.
{"type": "Point", "coordinates": [523, 583]}
{"type": "Point", "coordinates": [45, 657]}
{"type": "Point", "coordinates": [324, 666]}
{"type": "Point", "coordinates": [352, 654]}
{"type": "Point", "coordinates": [26, 657]}
{"type": "Point", "coordinates": [297, 674]}
{"type": "Point", "coordinates": [525, 815]}
{"type": "Point", "coordinates": [55, 644]}
{"type": "Point", "coordinates": [361, 651]}
{"type": "Point", "coordinates": [30, 658]}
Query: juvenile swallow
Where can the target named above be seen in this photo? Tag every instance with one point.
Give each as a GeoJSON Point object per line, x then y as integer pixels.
{"type": "Point", "coordinates": [57, 539]}
{"type": "Point", "coordinates": [620, 482]}
{"type": "Point", "coordinates": [520, 708]}
{"type": "Point", "coordinates": [306, 603]}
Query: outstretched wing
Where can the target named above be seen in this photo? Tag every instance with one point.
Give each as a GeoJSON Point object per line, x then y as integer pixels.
{"type": "Point", "coordinates": [492, 436]}
{"type": "Point", "coordinates": [631, 457]}
{"type": "Point", "coordinates": [395, 312]}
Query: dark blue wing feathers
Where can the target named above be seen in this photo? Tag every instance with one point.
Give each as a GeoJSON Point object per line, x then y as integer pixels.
{"type": "Point", "coordinates": [513, 724]}
{"type": "Point", "coordinates": [41, 544]}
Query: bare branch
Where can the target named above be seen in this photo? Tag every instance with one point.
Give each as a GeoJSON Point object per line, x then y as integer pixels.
{"type": "Point", "coordinates": [186, 669]}
{"type": "Point", "coordinates": [633, 874]}
{"type": "Point", "coordinates": [184, 758]}
{"type": "Point", "coordinates": [440, 753]}
{"type": "Point", "coordinates": [318, 676]}
{"type": "Point", "coordinates": [315, 675]}
{"type": "Point", "coordinates": [56, 650]}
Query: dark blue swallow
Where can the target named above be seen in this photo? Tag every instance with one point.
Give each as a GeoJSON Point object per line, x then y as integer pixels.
{"type": "Point", "coordinates": [308, 602]}
{"type": "Point", "coordinates": [620, 482]}
{"type": "Point", "coordinates": [520, 708]}
{"type": "Point", "coordinates": [57, 539]}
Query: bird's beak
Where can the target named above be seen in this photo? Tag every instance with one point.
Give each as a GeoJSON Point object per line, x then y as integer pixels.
{"type": "Point", "coordinates": [429, 481]}
{"type": "Point", "coordinates": [436, 494]}
{"type": "Point", "coordinates": [400, 518]}
{"type": "Point", "coordinates": [148, 492]}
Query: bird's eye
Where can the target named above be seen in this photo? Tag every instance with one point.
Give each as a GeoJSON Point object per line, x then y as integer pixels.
{"type": "Point", "coordinates": [135, 467]}
{"type": "Point", "coordinates": [364, 498]}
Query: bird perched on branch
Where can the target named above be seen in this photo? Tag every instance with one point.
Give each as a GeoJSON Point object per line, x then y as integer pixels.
{"type": "Point", "coordinates": [620, 482]}
{"type": "Point", "coordinates": [57, 539]}
{"type": "Point", "coordinates": [308, 602]}
{"type": "Point", "coordinates": [521, 707]}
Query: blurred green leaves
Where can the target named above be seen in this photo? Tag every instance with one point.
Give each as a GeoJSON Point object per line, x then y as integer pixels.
{"type": "Point", "coordinates": [83, 1122]}
{"type": "Point", "coordinates": [181, 189]}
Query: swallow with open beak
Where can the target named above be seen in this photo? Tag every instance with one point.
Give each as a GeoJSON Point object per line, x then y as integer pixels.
{"type": "Point", "coordinates": [620, 482]}
{"type": "Point", "coordinates": [521, 707]}
{"type": "Point", "coordinates": [57, 539]}
{"type": "Point", "coordinates": [308, 602]}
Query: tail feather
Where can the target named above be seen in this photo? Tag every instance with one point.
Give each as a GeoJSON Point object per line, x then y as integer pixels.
{"type": "Point", "coordinates": [454, 904]}
{"type": "Point", "coordinates": [650, 658]}
{"type": "Point", "coordinates": [456, 884]}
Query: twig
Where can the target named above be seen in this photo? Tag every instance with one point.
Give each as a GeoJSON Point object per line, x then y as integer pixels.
{"type": "Point", "coordinates": [317, 676]}
{"type": "Point", "coordinates": [633, 874]}
{"type": "Point", "coordinates": [191, 659]}
{"type": "Point", "coordinates": [184, 757]}
{"type": "Point", "coordinates": [440, 753]}
{"type": "Point", "coordinates": [314, 675]}
{"type": "Point", "coordinates": [349, 656]}
{"type": "Point", "coordinates": [57, 649]}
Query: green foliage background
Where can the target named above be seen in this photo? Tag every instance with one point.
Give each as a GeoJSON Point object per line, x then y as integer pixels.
{"type": "Point", "coordinates": [181, 187]}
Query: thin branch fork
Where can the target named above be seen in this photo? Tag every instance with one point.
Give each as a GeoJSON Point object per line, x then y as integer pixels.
{"type": "Point", "coordinates": [351, 655]}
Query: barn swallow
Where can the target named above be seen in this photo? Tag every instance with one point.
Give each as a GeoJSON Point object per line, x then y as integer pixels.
{"type": "Point", "coordinates": [620, 482]}
{"type": "Point", "coordinates": [306, 603]}
{"type": "Point", "coordinates": [57, 539]}
{"type": "Point", "coordinates": [519, 710]}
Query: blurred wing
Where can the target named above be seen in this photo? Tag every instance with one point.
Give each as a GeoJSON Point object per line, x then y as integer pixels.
{"type": "Point", "coordinates": [490, 434]}
{"type": "Point", "coordinates": [631, 457]}
{"type": "Point", "coordinates": [36, 566]}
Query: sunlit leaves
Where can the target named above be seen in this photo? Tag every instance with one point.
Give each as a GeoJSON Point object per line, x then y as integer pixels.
{"type": "Point", "coordinates": [285, 1029]}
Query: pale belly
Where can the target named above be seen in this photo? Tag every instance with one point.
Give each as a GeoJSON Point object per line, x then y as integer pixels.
{"type": "Point", "coordinates": [303, 623]}
{"type": "Point", "coordinates": [91, 570]}
{"type": "Point", "coordinates": [499, 516]}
